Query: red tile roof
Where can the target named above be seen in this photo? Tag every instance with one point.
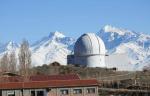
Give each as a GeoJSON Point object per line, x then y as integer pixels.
{"type": "Point", "coordinates": [48, 84]}
{"type": "Point", "coordinates": [41, 78]}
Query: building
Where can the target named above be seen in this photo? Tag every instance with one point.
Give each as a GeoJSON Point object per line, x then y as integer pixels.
{"type": "Point", "coordinates": [56, 85]}
{"type": "Point", "coordinates": [89, 50]}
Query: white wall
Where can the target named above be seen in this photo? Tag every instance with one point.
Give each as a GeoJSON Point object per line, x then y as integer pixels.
{"type": "Point", "coordinates": [120, 61]}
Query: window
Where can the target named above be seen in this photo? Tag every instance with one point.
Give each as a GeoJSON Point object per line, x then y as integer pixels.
{"type": "Point", "coordinates": [10, 93]}
{"type": "Point", "coordinates": [32, 93]}
{"type": "Point", "coordinates": [90, 90]}
{"type": "Point", "coordinates": [0, 92]}
{"type": "Point", "coordinates": [64, 91]}
{"type": "Point", "coordinates": [48, 89]}
{"type": "Point", "coordinates": [77, 91]}
{"type": "Point", "coordinates": [40, 93]}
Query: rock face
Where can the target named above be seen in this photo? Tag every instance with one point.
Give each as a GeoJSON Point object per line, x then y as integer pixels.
{"type": "Point", "coordinates": [57, 46]}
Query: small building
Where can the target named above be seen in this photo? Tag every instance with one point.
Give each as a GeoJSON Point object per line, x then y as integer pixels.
{"type": "Point", "coordinates": [50, 86]}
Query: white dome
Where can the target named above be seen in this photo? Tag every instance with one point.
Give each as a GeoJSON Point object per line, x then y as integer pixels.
{"type": "Point", "coordinates": [89, 44]}
{"type": "Point", "coordinates": [89, 50]}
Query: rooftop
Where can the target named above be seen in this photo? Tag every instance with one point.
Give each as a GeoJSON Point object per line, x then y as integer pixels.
{"type": "Point", "coordinates": [48, 84]}
{"type": "Point", "coordinates": [45, 81]}
{"type": "Point", "coordinates": [40, 78]}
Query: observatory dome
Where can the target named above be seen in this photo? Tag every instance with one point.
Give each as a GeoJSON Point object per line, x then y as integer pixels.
{"type": "Point", "coordinates": [89, 50]}
{"type": "Point", "coordinates": [89, 44]}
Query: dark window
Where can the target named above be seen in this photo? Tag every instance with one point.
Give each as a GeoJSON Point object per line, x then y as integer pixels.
{"type": "Point", "coordinates": [32, 93]}
{"type": "Point", "coordinates": [77, 91]}
{"type": "Point", "coordinates": [90, 90]}
{"type": "Point", "coordinates": [64, 91]}
{"type": "Point", "coordinates": [10, 93]}
{"type": "Point", "coordinates": [48, 89]}
{"type": "Point", "coordinates": [40, 93]}
{"type": "Point", "coordinates": [0, 92]}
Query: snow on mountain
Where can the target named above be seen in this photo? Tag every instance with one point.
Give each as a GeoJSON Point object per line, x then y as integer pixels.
{"type": "Point", "coordinates": [8, 48]}
{"type": "Point", "coordinates": [118, 40]}
{"type": "Point", "coordinates": [54, 47]}
{"type": "Point", "coordinates": [11, 46]}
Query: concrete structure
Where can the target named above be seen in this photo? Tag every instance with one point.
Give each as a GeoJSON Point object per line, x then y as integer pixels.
{"type": "Point", "coordinates": [89, 50]}
{"type": "Point", "coordinates": [40, 86]}
{"type": "Point", "coordinates": [119, 61]}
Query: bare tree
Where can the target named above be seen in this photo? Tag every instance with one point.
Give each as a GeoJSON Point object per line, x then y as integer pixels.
{"type": "Point", "coordinates": [12, 62]}
{"type": "Point", "coordinates": [4, 63]}
{"type": "Point", "coordinates": [24, 59]}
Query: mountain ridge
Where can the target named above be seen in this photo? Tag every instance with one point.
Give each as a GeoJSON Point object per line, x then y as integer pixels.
{"type": "Point", "coordinates": [56, 46]}
{"type": "Point", "coordinates": [117, 40]}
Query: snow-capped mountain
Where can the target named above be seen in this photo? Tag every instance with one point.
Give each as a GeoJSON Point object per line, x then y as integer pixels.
{"type": "Point", "coordinates": [118, 40]}
{"type": "Point", "coordinates": [8, 48]}
{"type": "Point", "coordinates": [56, 46]}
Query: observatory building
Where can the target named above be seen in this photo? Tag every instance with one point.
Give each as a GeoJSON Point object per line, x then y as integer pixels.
{"type": "Point", "coordinates": [89, 51]}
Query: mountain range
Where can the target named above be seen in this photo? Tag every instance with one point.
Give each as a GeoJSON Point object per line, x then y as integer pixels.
{"type": "Point", "coordinates": [57, 46]}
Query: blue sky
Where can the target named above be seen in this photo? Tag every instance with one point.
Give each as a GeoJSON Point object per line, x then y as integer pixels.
{"type": "Point", "coordinates": [33, 19]}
